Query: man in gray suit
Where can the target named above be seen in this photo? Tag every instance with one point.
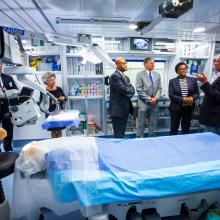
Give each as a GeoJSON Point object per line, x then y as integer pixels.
{"type": "Point", "coordinates": [148, 86]}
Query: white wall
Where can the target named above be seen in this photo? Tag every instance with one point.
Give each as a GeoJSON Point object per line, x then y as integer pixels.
{"type": "Point", "coordinates": [135, 67]}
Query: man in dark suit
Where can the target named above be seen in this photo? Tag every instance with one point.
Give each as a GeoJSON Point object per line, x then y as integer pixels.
{"type": "Point", "coordinates": [6, 83]}
{"type": "Point", "coordinates": [210, 108]}
{"type": "Point", "coordinates": [121, 92]}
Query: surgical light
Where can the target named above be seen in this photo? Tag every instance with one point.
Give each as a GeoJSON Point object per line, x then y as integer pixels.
{"type": "Point", "coordinates": [133, 26]}
{"type": "Point", "coordinates": [199, 30]}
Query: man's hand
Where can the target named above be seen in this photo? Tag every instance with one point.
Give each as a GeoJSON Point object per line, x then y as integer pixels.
{"type": "Point", "coordinates": [202, 78]}
{"type": "Point", "coordinates": [188, 100]}
{"type": "Point", "coordinates": [4, 89]}
{"type": "Point", "coordinates": [61, 98]}
{"type": "Point", "coordinates": [153, 101]}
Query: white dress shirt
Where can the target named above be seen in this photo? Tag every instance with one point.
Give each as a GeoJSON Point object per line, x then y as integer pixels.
{"type": "Point", "coordinates": [148, 72]}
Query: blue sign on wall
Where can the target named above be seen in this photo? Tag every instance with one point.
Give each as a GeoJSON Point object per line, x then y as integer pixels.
{"type": "Point", "coordinates": [13, 30]}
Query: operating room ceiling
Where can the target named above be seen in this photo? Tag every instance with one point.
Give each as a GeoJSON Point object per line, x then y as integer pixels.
{"type": "Point", "coordinates": [110, 18]}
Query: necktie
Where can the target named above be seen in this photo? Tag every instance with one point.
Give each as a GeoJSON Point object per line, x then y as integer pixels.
{"type": "Point", "coordinates": [125, 78]}
{"type": "Point", "coordinates": [1, 84]}
{"type": "Point", "coordinates": [151, 78]}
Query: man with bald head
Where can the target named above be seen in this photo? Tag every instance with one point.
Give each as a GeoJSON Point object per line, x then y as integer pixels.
{"type": "Point", "coordinates": [210, 108]}
{"type": "Point", "coordinates": [121, 92]}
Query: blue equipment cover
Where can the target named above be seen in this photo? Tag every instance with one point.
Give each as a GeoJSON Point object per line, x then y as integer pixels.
{"type": "Point", "coordinates": [62, 119]}
{"type": "Point", "coordinates": [117, 170]}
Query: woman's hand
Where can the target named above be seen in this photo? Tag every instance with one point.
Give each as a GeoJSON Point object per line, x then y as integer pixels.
{"type": "Point", "coordinates": [188, 100]}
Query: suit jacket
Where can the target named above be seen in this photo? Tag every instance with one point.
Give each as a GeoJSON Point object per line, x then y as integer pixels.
{"type": "Point", "coordinates": [121, 92]}
{"type": "Point", "coordinates": [210, 107]}
{"type": "Point", "coordinates": [8, 83]}
{"type": "Point", "coordinates": [175, 95]}
{"type": "Point", "coordinates": [144, 87]}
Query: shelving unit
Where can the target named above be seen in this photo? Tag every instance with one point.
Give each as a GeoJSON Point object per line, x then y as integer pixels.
{"type": "Point", "coordinates": [45, 58]}
{"type": "Point", "coordinates": [85, 91]}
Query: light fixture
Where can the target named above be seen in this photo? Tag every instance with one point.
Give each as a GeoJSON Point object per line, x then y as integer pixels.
{"type": "Point", "coordinates": [199, 30]}
{"type": "Point", "coordinates": [92, 21]}
{"type": "Point", "coordinates": [133, 26]}
{"type": "Point", "coordinates": [24, 41]}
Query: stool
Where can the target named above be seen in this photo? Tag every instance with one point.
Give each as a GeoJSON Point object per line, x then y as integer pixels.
{"type": "Point", "coordinates": [7, 163]}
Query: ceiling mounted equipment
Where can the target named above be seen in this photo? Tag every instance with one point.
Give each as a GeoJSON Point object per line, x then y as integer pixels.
{"type": "Point", "coordinates": [175, 8]}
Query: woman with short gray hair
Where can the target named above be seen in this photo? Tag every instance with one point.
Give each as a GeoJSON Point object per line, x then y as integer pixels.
{"type": "Point", "coordinates": [49, 79]}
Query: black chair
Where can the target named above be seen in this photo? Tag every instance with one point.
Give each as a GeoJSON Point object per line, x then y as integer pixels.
{"type": "Point", "coordinates": [7, 163]}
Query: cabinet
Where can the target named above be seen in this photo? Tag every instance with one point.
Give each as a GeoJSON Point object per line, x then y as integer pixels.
{"type": "Point", "coordinates": [195, 55]}
{"type": "Point", "coordinates": [84, 85]}
{"type": "Point", "coordinates": [45, 58]}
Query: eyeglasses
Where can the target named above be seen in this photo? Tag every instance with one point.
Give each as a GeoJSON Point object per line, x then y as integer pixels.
{"type": "Point", "coordinates": [182, 69]}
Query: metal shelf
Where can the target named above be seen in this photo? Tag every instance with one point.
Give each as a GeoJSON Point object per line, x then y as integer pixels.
{"type": "Point", "coordinates": [35, 54]}
{"type": "Point", "coordinates": [194, 58]}
{"type": "Point", "coordinates": [85, 77]}
{"type": "Point", "coordinates": [85, 97]}
{"type": "Point", "coordinates": [138, 53]}
{"type": "Point", "coordinates": [73, 55]}
{"type": "Point", "coordinates": [164, 117]}
{"type": "Point", "coordinates": [163, 106]}
{"type": "Point", "coordinates": [55, 72]}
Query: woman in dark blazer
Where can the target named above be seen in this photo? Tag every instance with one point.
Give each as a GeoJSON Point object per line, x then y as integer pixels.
{"type": "Point", "coordinates": [183, 92]}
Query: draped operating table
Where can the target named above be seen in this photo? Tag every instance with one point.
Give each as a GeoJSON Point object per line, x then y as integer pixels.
{"type": "Point", "coordinates": [109, 175]}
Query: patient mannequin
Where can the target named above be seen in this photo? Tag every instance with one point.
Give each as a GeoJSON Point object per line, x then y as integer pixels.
{"type": "Point", "coordinates": [32, 158]}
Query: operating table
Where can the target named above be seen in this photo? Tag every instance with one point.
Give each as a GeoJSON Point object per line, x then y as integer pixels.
{"type": "Point", "coordinates": [101, 175]}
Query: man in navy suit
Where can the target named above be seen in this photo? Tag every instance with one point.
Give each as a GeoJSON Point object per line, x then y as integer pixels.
{"type": "Point", "coordinates": [183, 92]}
{"type": "Point", "coordinates": [121, 92]}
{"type": "Point", "coordinates": [6, 83]}
{"type": "Point", "coordinates": [210, 108]}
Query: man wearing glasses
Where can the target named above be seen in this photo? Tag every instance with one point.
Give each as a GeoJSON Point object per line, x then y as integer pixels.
{"type": "Point", "coordinates": [210, 108]}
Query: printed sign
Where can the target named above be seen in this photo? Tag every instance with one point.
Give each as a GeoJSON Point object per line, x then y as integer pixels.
{"type": "Point", "coordinates": [13, 30]}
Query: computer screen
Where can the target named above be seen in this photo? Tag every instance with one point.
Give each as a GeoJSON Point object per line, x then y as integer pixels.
{"type": "Point", "coordinates": [138, 43]}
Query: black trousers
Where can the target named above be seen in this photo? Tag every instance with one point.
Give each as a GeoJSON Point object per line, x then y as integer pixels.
{"type": "Point", "coordinates": [119, 126]}
{"type": "Point", "coordinates": [182, 116]}
{"type": "Point", "coordinates": [8, 126]}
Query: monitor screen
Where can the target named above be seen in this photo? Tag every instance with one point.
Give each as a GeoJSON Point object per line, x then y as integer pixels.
{"type": "Point", "coordinates": [138, 43]}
